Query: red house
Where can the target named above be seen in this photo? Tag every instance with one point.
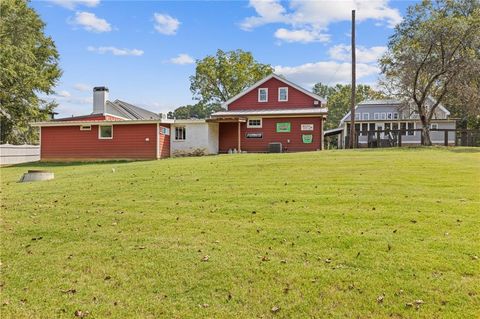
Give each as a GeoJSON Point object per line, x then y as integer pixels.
{"type": "Point", "coordinates": [272, 115]}
{"type": "Point", "coordinates": [114, 130]}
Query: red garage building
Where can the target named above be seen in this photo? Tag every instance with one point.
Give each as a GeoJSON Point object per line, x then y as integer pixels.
{"type": "Point", "coordinates": [114, 130]}
{"type": "Point", "coordinates": [273, 114]}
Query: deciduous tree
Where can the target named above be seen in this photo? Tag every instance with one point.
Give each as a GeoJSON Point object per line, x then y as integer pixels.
{"type": "Point", "coordinates": [29, 67]}
{"type": "Point", "coordinates": [220, 77]}
{"type": "Point", "coordinates": [431, 54]}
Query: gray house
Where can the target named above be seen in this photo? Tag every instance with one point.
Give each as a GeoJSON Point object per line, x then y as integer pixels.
{"type": "Point", "coordinates": [394, 115]}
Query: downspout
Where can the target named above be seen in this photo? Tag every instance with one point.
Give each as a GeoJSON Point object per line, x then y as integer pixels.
{"type": "Point", "coordinates": [158, 140]}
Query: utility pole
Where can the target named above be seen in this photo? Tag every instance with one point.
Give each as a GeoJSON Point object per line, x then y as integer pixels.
{"type": "Point", "coordinates": [353, 137]}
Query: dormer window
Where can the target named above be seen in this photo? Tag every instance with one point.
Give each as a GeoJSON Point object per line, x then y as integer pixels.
{"type": "Point", "coordinates": [263, 95]}
{"type": "Point", "coordinates": [283, 94]}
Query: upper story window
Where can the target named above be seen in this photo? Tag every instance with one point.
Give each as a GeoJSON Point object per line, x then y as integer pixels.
{"type": "Point", "coordinates": [254, 123]}
{"type": "Point", "coordinates": [180, 133]}
{"type": "Point", "coordinates": [366, 116]}
{"type": "Point", "coordinates": [105, 132]}
{"type": "Point", "coordinates": [395, 116]}
{"type": "Point", "coordinates": [283, 94]}
{"type": "Point", "coordinates": [263, 95]}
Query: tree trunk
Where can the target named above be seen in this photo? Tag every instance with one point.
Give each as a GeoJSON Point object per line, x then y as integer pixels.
{"type": "Point", "coordinates": [425, 134]}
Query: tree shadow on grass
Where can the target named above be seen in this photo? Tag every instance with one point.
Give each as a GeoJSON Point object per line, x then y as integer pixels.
{"type": "Point", "coordinates": [68, 164]}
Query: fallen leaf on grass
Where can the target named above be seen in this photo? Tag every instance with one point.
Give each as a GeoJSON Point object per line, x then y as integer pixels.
{"type": "Point", "coordinates": [265, 258]}
{"type": "Point", "coordinates": [275, 309]}
{"type": "Point", "coordinates": [205, 258]}
{"type": "Point", "coordinates": [328, 260]}
{"type": "Point", "coordinates": [70, 291]}
{"type": "Point", "coordinates": [81, 314]}
{"type": "Point", "coordinates": [380, 298]}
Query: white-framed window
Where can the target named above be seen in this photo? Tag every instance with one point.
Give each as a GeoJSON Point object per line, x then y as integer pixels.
{"type": "Point", "coordinates": [263, 95]}
{"type": "Point", "coordinates": [180, 133]}
{"type": "Point", "coordinates": [366, 116]}
{"type": "Point", "coordinates": [434, 126]}
{"type": "Point", "coordinates": [283, 94]}
{"type": "Point", "coordinates": [105, 132]}
{"type": "Point", "coordinates": [376, 116]}
{"type": "Point", "coordinates": [254, 123]}
{"type": "Point", "coordinates": [85, 127]}
{"type": "Point", "coordinates": [383, 116]}
{"type": "Point", "coordinates": [389, 115]}
{"type": "Point", "coordinates": [358, 116]}
{"type": "Point", "coordinates": [395, 116]}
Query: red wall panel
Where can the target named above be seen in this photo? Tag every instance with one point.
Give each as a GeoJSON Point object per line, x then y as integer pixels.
{"type": "Point", "coordinates": [129, 142]}
{"type": "Point", "coordinates": [164, 142]}
{"type": "Point", "coordinates": [228, 135]}
{"type": "Point", "coordinates": [296, 98]}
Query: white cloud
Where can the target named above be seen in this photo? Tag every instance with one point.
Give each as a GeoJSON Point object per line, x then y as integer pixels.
{"type": "Point", "coordinates": [309, 20]}
{"type": "Point", "coordinates": [63, 93]}
{"type": "Point", "coordinates": [342, 52]}
{"type": "Point", "coordinates": [328, 72]}
{"type": "Point", "coordinates": [166, 24]}
{"type": "Point", "coordinates": [182, 58]}
{"type": "Point", "coordinates": [71, 4]}
{"type": "Point", "coordinates": [115, 51]}
{"type": "Point", "coordinates": [82, 87]}
{"type": "Point", "coordinates": [303, 36]}
{"type": "Point", "coordinates": [91, 22]}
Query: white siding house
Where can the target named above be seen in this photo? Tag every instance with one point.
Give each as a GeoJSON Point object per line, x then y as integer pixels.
{"type": "Point", "coordinates": [394, 115]}
{"type": "Point", "coordinates": [189, 137]}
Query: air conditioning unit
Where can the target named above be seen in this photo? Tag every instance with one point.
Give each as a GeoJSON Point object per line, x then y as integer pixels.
{"type": "Point", "coordinates": [275, 147]}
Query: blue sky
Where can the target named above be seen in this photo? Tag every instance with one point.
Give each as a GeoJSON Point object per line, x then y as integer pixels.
{"type": "Point", "coordinates": [144, 51]}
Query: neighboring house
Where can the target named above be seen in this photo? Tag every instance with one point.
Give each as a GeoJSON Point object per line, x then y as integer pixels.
{"type": "Point", "coordinates": [273, 110]}
{"type": "Point", "coordinates": [394, 115]}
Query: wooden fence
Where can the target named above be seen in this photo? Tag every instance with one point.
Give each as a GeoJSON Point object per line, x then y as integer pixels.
{"type": "Point", "coordinates": [394, 138]}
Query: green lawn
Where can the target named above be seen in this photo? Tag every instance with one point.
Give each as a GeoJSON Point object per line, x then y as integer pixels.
{"type": "Point", "coordinates": [337, 234]}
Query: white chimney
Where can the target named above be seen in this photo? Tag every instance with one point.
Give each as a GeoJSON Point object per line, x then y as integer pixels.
{"type": "Point", "coordinates": [100, 96]}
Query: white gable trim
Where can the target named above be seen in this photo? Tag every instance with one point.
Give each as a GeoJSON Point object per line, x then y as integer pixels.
{"type": "Point", "coordinates": [271, 76]}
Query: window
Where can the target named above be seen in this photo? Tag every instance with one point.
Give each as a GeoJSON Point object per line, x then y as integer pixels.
{"type": "Point", "coordinates": [180, 133]}
{"type": "Point", "coordinates": [395, 116]}
{"type": "Point", "coordinates": [364, 129]}
{"type": "Point", "coordinates": [389, 115]}
{"type": "Point", "coordinates": [403, 127]}
{"type": "Point", "coordinates": [254, 123]}
{"type": "Point", "coordinates": [434, 126]}
{"type": "Point", "coordinates": [395, 126]}
{"type": "Point", "coordinates": [387, 126]}
{"type": "Point", "coordinates": [366, 116]}
{"type": "Point", "coordinates": [105, 132]}
{"type": "Point", "coordinates": [283, 94]}
{"type": "Point", "coordinates": [383, 116]}
{"type": "Point", "coordinates": [411, 126]}
{"type": "Point", "coordinates": [263, 95]}
{"type": "Point", "coordinates": [371, 127]}
{"type": "Point", "coordinates": [85, 128]}
{"type": "Point", "coordinates": [376, 116]}
{"type": "Point", "coordinates": [358, 116]}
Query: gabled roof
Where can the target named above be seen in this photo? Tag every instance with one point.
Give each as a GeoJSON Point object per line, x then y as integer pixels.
{"type": "Point", "coordinates": [129, 111]}
{"type": "Point", "coordinates": [273, 76]}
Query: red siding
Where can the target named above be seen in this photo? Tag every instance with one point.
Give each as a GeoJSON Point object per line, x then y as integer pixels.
{"type": "Point", "coordinates": [164, 142]}
{"type": "Point", "coordinates": [296, 98]}
{"type": "Point", "coordinates": [228, 135]}
{"type": "Point", "coordinates": [68, 142]}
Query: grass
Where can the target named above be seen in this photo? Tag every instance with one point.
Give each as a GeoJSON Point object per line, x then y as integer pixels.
{"type": "Point", "coordinates": [337, 234]}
